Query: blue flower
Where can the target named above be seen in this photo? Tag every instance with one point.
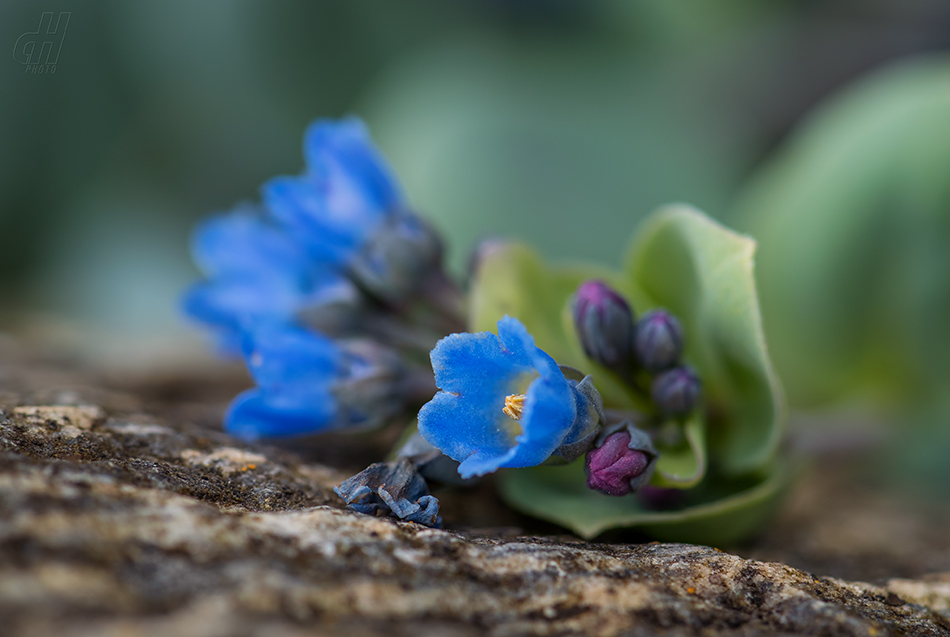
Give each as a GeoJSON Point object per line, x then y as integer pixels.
{"type": "Point", "coordinates": [257, 275]}
{"type": "Point", "coordinates": [504, 402]}
{"type": "Point", "coordinates": [308, 383]}
{"type": "Point", "coordinates": [345, 194]}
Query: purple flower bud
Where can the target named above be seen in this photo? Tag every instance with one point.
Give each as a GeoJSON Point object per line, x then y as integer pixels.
{"type": "Point", "coordinates": [604, 323]}
{"type": "Point", "coordinates": [675, 392]}
{"type": "Point", "coordinates": [613, 466]}
{"type": "Point", "coordinates": [658, 341]}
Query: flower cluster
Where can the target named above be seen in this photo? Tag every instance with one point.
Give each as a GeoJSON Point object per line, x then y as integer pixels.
{"type": "Point", "coordinates": [333, 292]}
{"type": "Point", "coordinates": [312, 287]}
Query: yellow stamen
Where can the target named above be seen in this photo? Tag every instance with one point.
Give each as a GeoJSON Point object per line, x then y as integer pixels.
{"type": "Point", "coordinates": [514, 405]}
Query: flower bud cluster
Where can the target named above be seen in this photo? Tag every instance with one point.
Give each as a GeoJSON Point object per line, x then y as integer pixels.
{"type": "Point", "coordinates": [611, 335]}
{"type": "Point", "coordinates": [314, 287]}
{"type": "Point", "coordinates": [605, 326]}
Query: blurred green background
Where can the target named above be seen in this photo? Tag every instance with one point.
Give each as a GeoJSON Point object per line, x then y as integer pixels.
{"type": "Point", "coordinates": [561, 123]}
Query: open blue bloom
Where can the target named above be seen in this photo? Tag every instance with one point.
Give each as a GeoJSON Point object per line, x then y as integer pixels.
{"type": "Point", "coordinates": [345, 194]}
{"type": "Point", "coordinates": [308, 383]}
{"type": "Point", "coordinates": [257, 275]}
{"type": "Point", "coordinates": [504, 402]}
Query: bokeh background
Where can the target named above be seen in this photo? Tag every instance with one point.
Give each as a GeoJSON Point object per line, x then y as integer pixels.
{"type": "Point", "coordinates": [820, 127]}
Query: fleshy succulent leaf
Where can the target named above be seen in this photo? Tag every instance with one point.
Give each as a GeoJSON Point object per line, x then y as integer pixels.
{"type": "Point", "coordinates": [724, 514]}
{"type": "Point", "coordinates": [686, 262]}
{"type": "Point", "coordinates": [683, 465]}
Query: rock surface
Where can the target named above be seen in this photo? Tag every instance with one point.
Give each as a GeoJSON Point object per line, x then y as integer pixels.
{"type": "Point", "coordinates": [116, 522]}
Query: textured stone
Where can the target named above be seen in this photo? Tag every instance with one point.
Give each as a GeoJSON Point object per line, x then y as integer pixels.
{"type": "Point", "coordinates": [64, 417]}
{"type": "Point", "coordinates": [933, 591]}
{"type": "Point", "coordinates": [114, 522]}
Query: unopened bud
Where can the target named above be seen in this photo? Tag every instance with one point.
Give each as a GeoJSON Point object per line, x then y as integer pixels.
{"type": "Point", "coordinates": [658, 341]}
{"type": "Point", "coordinates": [676, 392]}
{"type": "Point", "coordinates": [398, 258]}
{"type": "Point", "coordinates": [604, 323]}
{"type": "Point", "coordinates": [622, 461]}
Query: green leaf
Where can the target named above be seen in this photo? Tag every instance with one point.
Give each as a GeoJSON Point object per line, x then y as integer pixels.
{"type": "Point", "coordinates": [686, 262]}
{"type": "Point", "coordinates": [724, 514]}
{"type": "Point", "coordinates": [684, 465]}
{"type": "Point", "coordinates": [853, 217]}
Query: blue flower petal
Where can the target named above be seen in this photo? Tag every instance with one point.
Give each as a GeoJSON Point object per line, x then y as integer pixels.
{"type": "Point", "coordinates": [255, 414]}
{"type": "Point", "coordinates": [476, 363]}
{"type": "Point", "coordinates": [327, 287]}
{"type": "Point", "coordinates": [241, 242]}
{"type": "Point", "coordinates": [235, 304]}
{"type": "Point", "coordinates": [343, 196]}
{"type": "Point", "coordinates": [547, 418]}
{"type": "Point", "coordinates": [243, 302]}
{"type": "Point", "coordinates": [462, 428]}
{"type": "Point", "coordinates": [548, 415]}
{"type": "Point", "coordinates": [258, 275]}
{"type": "Point", "coordinates": [240, 301]}
{"type": "Point", "coordinates": [344, 150]}
{"type": "Point", "coordinates": [515, 337]}
{"type": "Point", "coordinates": [330, 234]}
{"type": "Point", "coordinates": [292, 362]}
